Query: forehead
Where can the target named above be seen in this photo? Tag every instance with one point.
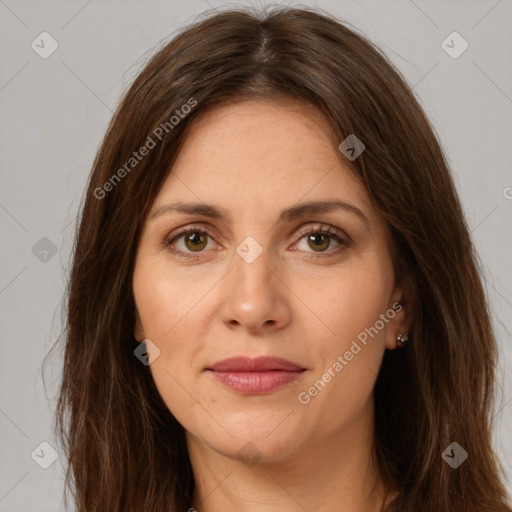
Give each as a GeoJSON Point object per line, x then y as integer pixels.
{"type": "Point", "coordinates": [263, 134]}
{"type": "Point", "coordinates": [261, 155]}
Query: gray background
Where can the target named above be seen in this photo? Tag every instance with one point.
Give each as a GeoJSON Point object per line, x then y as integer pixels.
{"type": "Point", "coordinates": [54, 113]}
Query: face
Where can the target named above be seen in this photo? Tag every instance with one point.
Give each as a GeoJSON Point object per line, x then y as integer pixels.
{"type": "Point", "coordinates": [265, 269]}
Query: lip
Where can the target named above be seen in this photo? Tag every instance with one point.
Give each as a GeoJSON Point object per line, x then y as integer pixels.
{"type": "Point", "coordinates": [255, 375]}
{"type": "Point", "coordinates": [254, 364]}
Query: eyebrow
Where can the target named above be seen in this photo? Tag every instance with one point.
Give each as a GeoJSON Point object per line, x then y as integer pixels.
{"type": "Point", "coordinates": [287, 215]}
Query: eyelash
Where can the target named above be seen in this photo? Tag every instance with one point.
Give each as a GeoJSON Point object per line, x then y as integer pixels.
{"type": "Point", "coordinates": [322, 230]}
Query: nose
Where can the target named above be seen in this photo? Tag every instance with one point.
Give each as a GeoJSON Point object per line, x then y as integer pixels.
{"type": "Point", "coordinates": [254, 296]}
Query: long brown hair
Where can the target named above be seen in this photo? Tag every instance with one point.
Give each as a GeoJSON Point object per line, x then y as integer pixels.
{"type": "Point", "coordinates": [126, 451]}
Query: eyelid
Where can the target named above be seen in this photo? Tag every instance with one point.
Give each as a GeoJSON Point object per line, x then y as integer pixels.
{"type": "Point", "coordinates": [173, 237]}
{"type": "Point", "coordinates": [341, 237]}
{"type": "Point", "coordinates": [322, 228]}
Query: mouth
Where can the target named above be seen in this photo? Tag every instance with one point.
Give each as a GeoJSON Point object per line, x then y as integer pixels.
{"type": "Point", "coordinates": [255, 375]}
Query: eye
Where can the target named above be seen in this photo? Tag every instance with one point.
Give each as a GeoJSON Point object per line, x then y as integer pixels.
{"type": "Point", "coordinates": [319, 239]}
{"type": "Point", "coordinates": [194, 240]}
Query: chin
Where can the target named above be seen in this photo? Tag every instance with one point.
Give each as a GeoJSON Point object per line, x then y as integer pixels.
{"type": "Point", "coordinates": [260, 437]}
{"type": "Point", "coordinates": [252, 450]}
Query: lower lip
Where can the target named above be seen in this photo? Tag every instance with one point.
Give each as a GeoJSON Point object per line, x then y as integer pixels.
{"type": "Point", "coordinates": [256, 382]}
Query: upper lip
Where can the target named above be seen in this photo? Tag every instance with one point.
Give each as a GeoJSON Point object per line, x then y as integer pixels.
{"type": "Point", "coordinates": [254, 364]}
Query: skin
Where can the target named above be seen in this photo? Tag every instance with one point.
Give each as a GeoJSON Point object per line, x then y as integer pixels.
{"type": "Point", "coordinates": [295, 300]}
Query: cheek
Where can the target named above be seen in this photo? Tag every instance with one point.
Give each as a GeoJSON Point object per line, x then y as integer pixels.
{"type": "Point", "coordinates": [165, 300]}
{"type": "Point", "coordinates": [169, 318]}
{"type": "Point", "coordinates": [352, 345]}
{"type": "Point", "coordinates": [349, 301]}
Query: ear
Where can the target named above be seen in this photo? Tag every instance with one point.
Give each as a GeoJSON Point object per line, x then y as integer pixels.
{"type": "Point", "coordinates": [138, 331]}
{"type": "Point", "coordinates": [402, 304]}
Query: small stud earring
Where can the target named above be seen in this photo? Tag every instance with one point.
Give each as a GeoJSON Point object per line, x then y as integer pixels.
{"type": "Point", "coordinates": [401, 340]}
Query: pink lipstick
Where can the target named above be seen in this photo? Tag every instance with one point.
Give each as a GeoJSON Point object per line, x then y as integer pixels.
{"type": "Point", "coordinates": [255, 375]}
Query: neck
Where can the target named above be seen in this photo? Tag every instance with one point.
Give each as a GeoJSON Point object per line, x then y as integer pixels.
{"type": "Point", "coordinates": [331, 473]}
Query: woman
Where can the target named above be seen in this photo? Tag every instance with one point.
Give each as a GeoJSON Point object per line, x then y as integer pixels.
{"type": "Point", "coordinates": [274, 302]}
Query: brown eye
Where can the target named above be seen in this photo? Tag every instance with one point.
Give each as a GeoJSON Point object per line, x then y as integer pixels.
{"type": "Point", "coordinates": [188, 241]}
{"type": "Point", "coordinates": [318, 241]}
{"type": "Point", "coordinates": [195, 241]}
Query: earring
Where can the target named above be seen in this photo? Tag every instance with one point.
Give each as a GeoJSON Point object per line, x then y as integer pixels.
{"type": "Point", "coordinates": [401, 340]}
